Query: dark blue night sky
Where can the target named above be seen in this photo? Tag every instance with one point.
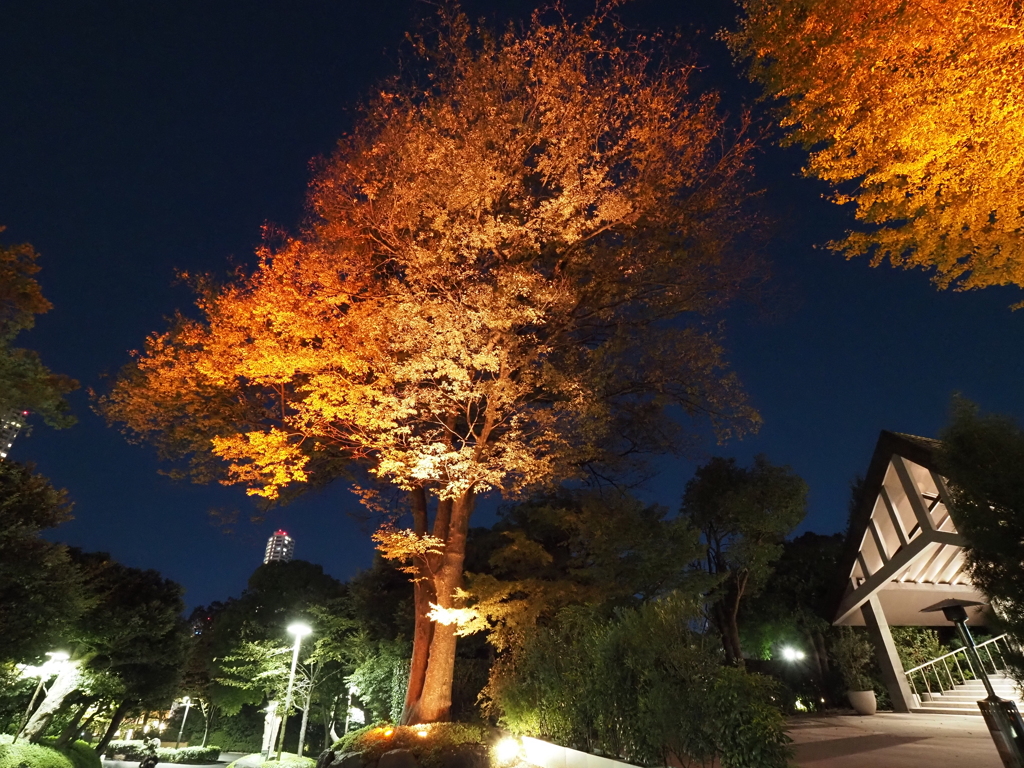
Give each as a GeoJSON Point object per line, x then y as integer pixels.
{"type": "Point", "coordinates": [137, 139]}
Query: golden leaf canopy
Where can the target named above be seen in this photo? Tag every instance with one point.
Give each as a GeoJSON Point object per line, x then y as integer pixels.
{"type": "Point", "coordinates": [506, 275]}
{"type": "Point", "coordinates": [913, 110]}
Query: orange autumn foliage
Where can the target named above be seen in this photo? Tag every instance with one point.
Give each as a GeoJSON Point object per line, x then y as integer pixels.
{"type": "Point", "coordinates": [506, 279]}
{"type": "Point", "coordinates": [913, 111]}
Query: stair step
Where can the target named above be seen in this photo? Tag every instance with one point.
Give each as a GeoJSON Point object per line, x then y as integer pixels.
{"type": "Point", "coordinates": [964, 698]}
{"type": "Point", "coordinates": [937, 711]}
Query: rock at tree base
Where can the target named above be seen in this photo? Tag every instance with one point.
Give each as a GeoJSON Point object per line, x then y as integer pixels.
{"type": "Point", "coordinates": [397, 758]}
{"type": "Point", "coordinates": [329, 759]}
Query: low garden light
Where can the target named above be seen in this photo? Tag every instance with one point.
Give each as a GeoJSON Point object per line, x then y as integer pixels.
{"type": "Point", "coordinates": [507, 750]}
{"type": "Point", "coordinates": [793, 654]}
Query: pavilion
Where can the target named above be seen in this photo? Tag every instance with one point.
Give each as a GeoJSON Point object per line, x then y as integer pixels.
{"type": "Point", "coordinates": [903, 554]}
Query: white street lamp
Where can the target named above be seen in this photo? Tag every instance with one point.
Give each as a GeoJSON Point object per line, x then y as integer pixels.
{"type": "Point", "coordinates": [45, 670]}
{"type": "Point", "coordinates": [300, 630]}
{"type": "Point", "coordinates": [188, 703]}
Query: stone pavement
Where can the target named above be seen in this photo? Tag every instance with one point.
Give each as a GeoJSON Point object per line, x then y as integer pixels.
{"type": "Point", "coordinates": [889, 740]}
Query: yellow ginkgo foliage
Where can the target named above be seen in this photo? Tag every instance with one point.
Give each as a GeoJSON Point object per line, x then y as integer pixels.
{"type": "Point", "coordinates": [913, 111]}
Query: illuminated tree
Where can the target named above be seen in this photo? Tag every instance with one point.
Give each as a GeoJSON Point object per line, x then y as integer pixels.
{"type": "Point", "coordinates": [25, 383]}
{"type": "Point", "coordinates": [913, 112]}
{"type": "Point", "coordinates": [743, 516]}
{"type": "Point", "coordinates": [506, 280]}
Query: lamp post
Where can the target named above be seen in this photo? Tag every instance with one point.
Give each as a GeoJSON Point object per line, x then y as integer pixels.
{"type": "Point", "coordinates": [352, 690]}
{"type": "Point", "coordinates": [188, 703]}
{"type": "Point", "coordinates": [51, 667]}
{"type": "Point", "coordinates": [300, 631]}
{"type": "Point", "coordinates": [1001, 715]}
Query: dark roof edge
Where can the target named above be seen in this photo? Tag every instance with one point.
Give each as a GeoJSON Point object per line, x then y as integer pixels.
{"type": "Point", "coordinates": [920, 450]}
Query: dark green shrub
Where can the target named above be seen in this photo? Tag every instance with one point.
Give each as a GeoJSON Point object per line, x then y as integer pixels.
{"type": "Point", "coordinates": [195, 755]}
{"type": "Point", "coordinates": [240, 732]}
{"type": "Point", "coordinates": [639, 685]}
{"type": "Point", "coordinates": [132, 749]}
{"type": "Point", "coordinates": [81, 754]}
{"type": "Point", "coordinates": [136, 749]}
{"type": "Point", "coordinates": [34, 755]}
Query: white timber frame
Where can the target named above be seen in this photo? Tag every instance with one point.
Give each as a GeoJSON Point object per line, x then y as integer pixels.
{"type": "Point", "coordinates": [904, 553]}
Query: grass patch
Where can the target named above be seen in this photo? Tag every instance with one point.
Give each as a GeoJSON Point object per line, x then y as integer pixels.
{"type": "Point", "coordinates": [431, 744]}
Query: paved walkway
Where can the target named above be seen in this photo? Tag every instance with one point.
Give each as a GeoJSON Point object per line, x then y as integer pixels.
{"type": "Point", "coordinates": [889, 740]}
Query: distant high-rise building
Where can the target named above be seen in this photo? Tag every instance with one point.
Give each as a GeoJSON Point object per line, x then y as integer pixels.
{"type": "Point", "coordinates": [10, 424]}
{"type": "Point", "coordinates": [280, 548]}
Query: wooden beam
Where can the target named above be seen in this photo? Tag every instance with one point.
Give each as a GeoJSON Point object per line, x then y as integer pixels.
{"type": "Point", "coordinates": [945, 566]}
{"type": "Point", "coordinates": [913, 494]}
{"type": "Point", "coordinates": [899, 562]}
{"type": "Point", "coordinates": [894, 516]}
{"type": "Point", "coordinates": [923, 570]}
{"type": "Point", "coordinates": [863, 565]}
{"type": "Point", "coordinates": [878, 540]}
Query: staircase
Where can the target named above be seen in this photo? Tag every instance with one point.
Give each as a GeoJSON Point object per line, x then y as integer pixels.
{"type": "Point", "coordinates": [963, 699]}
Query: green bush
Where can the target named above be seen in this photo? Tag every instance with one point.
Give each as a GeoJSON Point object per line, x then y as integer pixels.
{"type": "Point", "coordinates": [81, 754]}
{"type": "Point", "coordinates": [23, 754]}
{"type": "Point", "coordinates": [195, 755]}
{"type": "Point", "coordinates": [381, 678]}
{"type": "Point", "coordinates": [240, 732]}
{"type": "Point", "coordinates": [638, 685]}
{"type": "Point", "coordinates": [132, 749]}
{"type": "Point", "coordinates": [432, 749]}
{"type": "Point", "coordinates": [136, 750]}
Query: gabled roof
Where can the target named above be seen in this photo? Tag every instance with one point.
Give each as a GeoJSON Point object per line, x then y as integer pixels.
{"type": "Point", "coordinates": [902, 546]}
{"type": "Point", "coordinates": [920, 450]}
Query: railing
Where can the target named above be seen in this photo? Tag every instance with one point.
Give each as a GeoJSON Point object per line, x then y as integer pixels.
{"type": "Point", "coordinates": [929, 672]}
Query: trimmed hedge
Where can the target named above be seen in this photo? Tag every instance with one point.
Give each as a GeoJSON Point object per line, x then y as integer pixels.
{"type": "Point", "coordinates": [190, 755]}
{"type": "Point", "coordinates": [136, 750]}
{"type": "Point", "coordinates": [81, 754]}
{"type": "Point", "coordinates": [23, 753]}
{"type": "Point", "coordinates": [78, 754]}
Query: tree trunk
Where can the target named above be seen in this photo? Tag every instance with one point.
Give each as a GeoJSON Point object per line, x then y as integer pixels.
{"type": "Point", "coordinates": [207, 715]}
{"type": "Point", "coordinates": [64, 684]}
{"type": "Point", "coordinates": [726, 626]}
{"type": "Point", "coordinates": [305, 719]}
{"type": "Point", "coordinates": [115, 723]}
{"type": "Point", "coordinates": [435, 702]}
{"type": "Point", "coordinates": [72, 727]}
{"type": "Point", "coordinates": [423, 595]}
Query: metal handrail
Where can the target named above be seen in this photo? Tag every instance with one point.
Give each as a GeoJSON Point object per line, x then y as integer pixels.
{"type": "Point", "coordinates": [952, 655]}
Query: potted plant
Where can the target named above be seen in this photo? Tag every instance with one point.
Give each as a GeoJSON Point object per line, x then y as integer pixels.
{"type": "Point", "coordinates": [853, 654]}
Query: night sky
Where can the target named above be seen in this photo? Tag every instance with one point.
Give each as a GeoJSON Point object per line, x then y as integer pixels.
{"type": "Point", "coordinates": [142, 138]}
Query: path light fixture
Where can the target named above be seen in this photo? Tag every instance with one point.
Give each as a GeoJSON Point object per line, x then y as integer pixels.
{"type": "Point", "coordinates": [299, 630]}
{"type": "Point", "coordinates": [793, 654]}
{"type": "Point", "coordinates": [188, 703]}
{"type": "Point", "coordinates": [1001, 715]}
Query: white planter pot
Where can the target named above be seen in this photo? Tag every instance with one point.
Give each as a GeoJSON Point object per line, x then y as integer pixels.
{"type": "Point", "coordinates": [863, 701]}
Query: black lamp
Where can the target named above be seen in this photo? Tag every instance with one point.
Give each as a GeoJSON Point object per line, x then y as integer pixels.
{"type": "Point", "coordinates": [1001, 715]}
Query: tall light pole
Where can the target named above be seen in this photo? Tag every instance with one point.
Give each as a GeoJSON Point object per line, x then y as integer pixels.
{"type": "Point", "coordinates": [188, 703]}
{"type": "Point", "coordinates": [300, 631]}
{"type": "Point", "coordinates": [51, 667]}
